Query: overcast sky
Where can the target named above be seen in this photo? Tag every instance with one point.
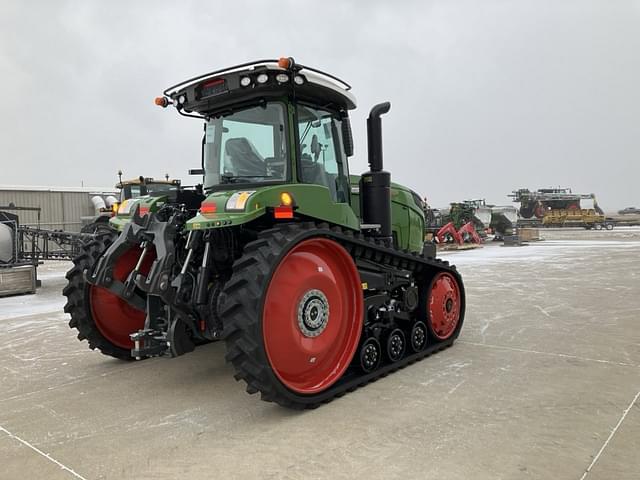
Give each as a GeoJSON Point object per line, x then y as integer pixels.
{"type": "Point", "coordinates": [487, 95]}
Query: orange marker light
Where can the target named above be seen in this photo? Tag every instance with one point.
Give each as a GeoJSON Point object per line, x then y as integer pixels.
{"type": "Point", "coordinates": [144, 210]}
{"type": "Point", "coordinates": [286, 199]}
{"type": "Point", "coordinates": [161, 101]}
{"type": "Point", "coordinates": [284, 62]}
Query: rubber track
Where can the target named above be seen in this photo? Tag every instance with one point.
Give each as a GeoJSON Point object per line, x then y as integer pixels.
{"type": "Point", "coordinates": [241, 304]}
{"type": "Point", "coordinates": [77, 295]}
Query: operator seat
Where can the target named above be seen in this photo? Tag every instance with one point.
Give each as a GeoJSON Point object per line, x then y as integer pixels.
{"type": "Point", "coordinates": [313, 172]}
{"type": "Point", "coordinates": [243, 159]}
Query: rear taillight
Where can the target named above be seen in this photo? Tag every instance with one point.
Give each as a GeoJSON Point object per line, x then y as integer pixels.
{"type": "Point", "coordinates": [283, 211]}
{"type": "Point", "coordinates": [208, 208]}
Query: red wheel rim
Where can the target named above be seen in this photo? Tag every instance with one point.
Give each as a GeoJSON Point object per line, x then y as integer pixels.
{"type": "Point", "coordinates": [444, 305]}
{"type": "Point", "coordinates": [115, 318]}
{"type": "Point", "coordinates": [539, 211]}
{"type": "Point", "coordinates": [310, 353]}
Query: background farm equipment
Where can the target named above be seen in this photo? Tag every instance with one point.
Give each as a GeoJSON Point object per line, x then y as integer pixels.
{"type": "Point", "coordinates": [448, 235]}
{"type": "Point", "coordinates": [127, 190]}
{"type": "Point", "coordinates": [536, 203]}
{"type": "Point", "coordinates": [469, 215]}
{"type": "Point", "coordinates": [586, 218]}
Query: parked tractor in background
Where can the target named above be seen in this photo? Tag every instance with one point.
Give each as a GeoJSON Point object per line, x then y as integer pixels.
{"type": "Point", "coordinates": [128, 189]}
{"type": "Point", "coordinates": [141, 186]}
{"type": "Point", "coordinates": [316, 283]}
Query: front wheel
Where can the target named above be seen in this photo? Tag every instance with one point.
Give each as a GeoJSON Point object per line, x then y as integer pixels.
{"type": "Point", "coordinates": [293, 313]}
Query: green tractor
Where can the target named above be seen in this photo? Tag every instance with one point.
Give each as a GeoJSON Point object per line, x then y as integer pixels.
{"type": "Point", "coordinates": [317, 281]}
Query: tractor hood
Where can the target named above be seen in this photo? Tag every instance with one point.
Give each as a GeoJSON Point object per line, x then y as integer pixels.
{"type": "Point", "coordinates": [237, 207]}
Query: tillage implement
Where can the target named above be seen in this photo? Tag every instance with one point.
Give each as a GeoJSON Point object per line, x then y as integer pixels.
{"type": "Point", "coordinates": [317, 281]}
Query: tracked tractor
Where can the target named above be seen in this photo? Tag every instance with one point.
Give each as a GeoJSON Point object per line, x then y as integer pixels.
{"type": "Point", "coordinates": [317, 282]}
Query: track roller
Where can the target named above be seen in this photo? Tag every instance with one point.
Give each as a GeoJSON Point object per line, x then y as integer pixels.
{"type": "Point", "coordinates": [370, 355]}
{"type": "Point", "coordinates": [395, 345]}
{"type": "Point", "coordinates": [418, 338]}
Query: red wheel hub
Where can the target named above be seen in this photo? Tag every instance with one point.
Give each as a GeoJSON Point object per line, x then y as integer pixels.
{"type": "Point", "coordinates": [444, 305]}
{"type": "Point", "coordinates": [115, 318]}
{"type": "Point", "coordinates": [312, 315]}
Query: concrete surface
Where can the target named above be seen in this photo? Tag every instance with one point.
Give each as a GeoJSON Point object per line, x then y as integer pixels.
{"type": "Point", "coordinates": [542, 384]}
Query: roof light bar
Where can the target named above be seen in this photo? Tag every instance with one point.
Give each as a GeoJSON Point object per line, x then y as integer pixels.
{"type": "Point", "coordinates": [248, 65]}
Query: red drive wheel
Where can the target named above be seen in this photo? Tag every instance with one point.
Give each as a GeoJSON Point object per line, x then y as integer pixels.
{"type": "Point", "coordinates": [573, 206]}
{"type": "Point", "coordinates": [115, 318]}
{"type": "Point", "coordinates": [539, 211]}
{"type": "Point", "coordinates": [312, 315]}
{"type": "Point", "coordinates": [444, 306]}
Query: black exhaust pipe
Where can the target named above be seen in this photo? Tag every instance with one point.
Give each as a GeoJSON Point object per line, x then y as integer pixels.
{"type": "Point", "coordinates": [375, 185]}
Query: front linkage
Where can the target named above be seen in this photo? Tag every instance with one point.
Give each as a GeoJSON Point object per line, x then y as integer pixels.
{"type": "Point", "coordinates": [165, 282]}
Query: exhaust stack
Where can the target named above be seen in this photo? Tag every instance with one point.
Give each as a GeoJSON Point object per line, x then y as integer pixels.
{"type": "Point", "coordinates": [375, 185]}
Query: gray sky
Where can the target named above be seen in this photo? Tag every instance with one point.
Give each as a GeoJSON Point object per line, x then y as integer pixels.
{"type": "Point", "coordinates": [487, 95]}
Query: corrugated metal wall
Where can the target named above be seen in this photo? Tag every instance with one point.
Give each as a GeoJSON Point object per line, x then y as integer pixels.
{"type": "Point", "coordinates": [60, 210]}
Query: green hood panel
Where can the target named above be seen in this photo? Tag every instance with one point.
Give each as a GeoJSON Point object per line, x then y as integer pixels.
{"type": "Point", "coordinates": [310, 200]}
{"type": "Point", "coordinates": [152, 203]}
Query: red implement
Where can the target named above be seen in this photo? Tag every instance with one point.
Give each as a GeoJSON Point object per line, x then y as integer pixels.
{"type": "Point", "coordinates": [468, 233]}
{"type": "Point", "coordinates": [449, 234]}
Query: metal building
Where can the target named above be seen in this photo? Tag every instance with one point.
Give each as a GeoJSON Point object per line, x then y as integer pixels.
{"type": "Point", "coordinates": [62, 208]}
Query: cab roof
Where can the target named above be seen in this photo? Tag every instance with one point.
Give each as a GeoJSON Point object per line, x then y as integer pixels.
{"type": "Point", "coordinates": [218, 90]}
{"type": "Point", "coordinates": [146, 181]}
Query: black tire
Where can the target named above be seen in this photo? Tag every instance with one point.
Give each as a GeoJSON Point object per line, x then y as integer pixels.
{"type": "Point", "coordinates": [526, 211]}
{"type": "Point", "coordinates": [609, 226]}
{"type": "Point", "coordinates": [77, 293]}
{"type": "Point", "coordinates": [241, 306]}
{"type": "Point", "coordinates": [98, 226]}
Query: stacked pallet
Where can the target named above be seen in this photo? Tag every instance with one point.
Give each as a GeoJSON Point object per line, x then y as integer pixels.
{"type": "Point", "coordinates": [16, 280]}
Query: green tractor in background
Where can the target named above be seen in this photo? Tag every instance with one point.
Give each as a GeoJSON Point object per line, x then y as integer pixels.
{"type": "Point", "coordinates": [317, 281]}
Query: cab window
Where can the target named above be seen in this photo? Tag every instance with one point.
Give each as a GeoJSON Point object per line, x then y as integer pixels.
{"type": "Point", "coordinates": [322, 159]}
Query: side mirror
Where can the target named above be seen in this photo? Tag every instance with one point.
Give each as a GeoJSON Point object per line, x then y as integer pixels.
{"type": "Point", "coordinates": [196, 171]}
{"type": "Point", "coordinates": [347, 136]}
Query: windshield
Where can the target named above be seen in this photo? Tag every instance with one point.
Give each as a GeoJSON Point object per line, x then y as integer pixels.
{"type": "Point", "coordinates": [135, 191]}
{"type": "Point", "coordinates": [247, 146]}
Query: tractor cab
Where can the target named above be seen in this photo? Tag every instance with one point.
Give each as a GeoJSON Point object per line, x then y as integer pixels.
{"type": "Point", "coordinates": [141, 186]}
{"type": "Point", "coordinates": [270, 122]}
